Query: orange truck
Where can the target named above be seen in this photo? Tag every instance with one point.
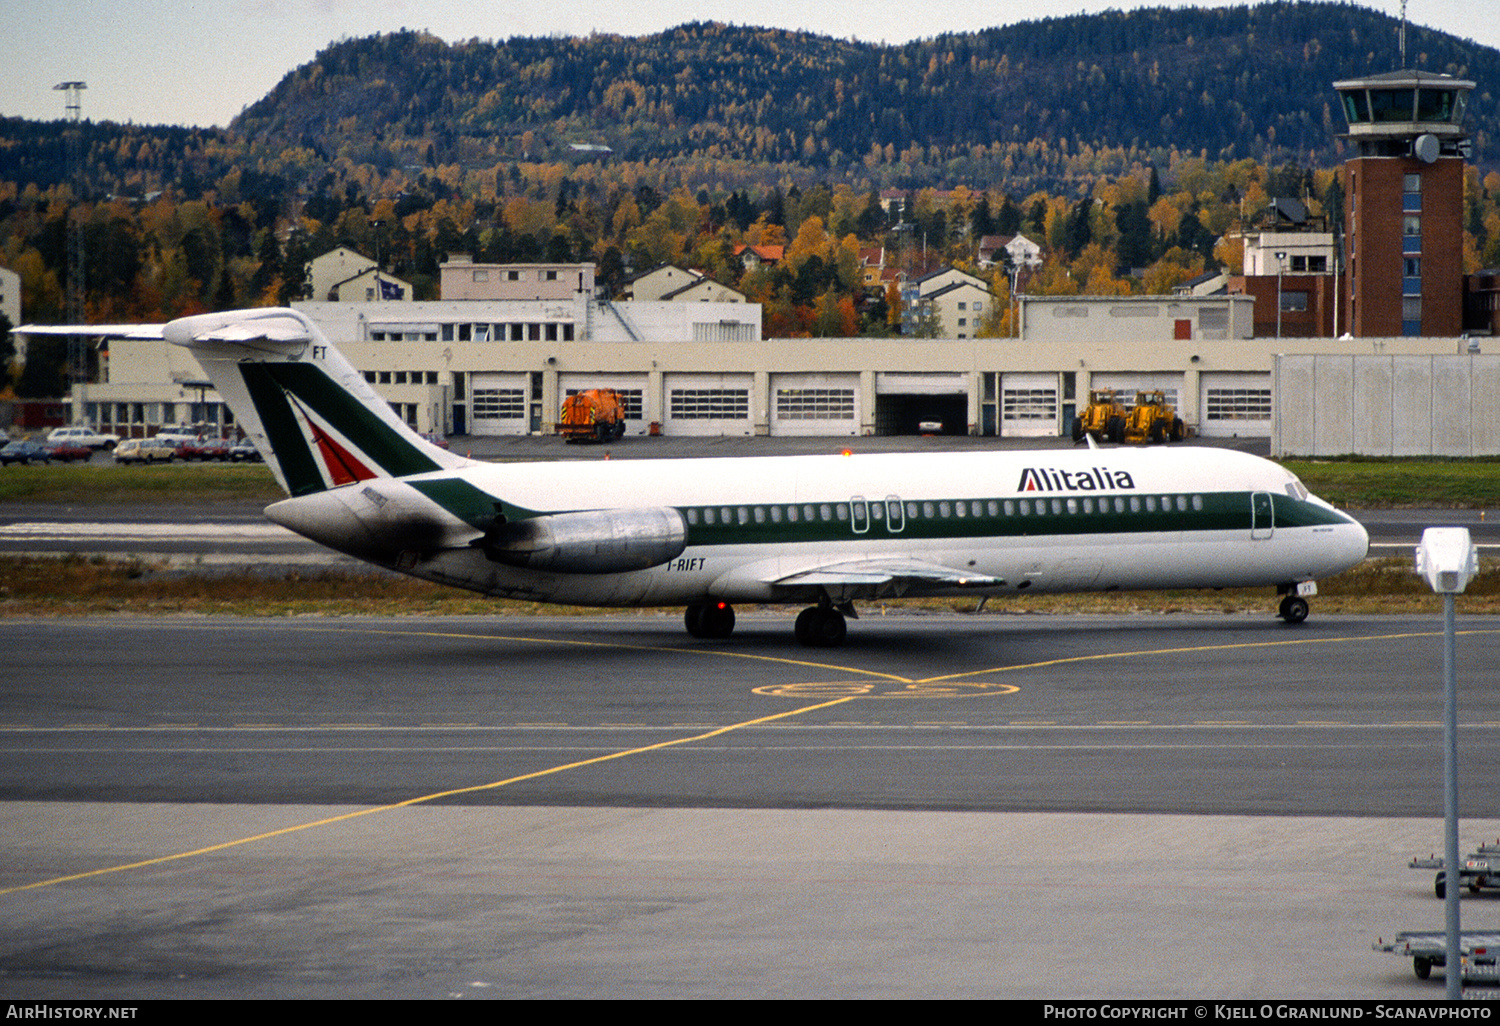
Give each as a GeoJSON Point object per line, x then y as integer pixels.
{"type": "Point", "coordinates": [595, 415]}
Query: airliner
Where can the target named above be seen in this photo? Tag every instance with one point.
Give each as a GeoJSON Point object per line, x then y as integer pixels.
{"type": "Point", "coordinates": [705, 534]}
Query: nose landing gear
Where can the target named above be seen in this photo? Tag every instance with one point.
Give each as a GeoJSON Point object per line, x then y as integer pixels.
{"type": "Point", "coordinates": [1293, 609]}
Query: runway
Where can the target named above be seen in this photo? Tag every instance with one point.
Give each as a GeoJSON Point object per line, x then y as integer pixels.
{"type": "Point", "coordinates": [949, 806]}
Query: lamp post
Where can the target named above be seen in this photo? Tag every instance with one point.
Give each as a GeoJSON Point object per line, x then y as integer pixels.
{"type": "Point", "coordinates": [1447, 559]}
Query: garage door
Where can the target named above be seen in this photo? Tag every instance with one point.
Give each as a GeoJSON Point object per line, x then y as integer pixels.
{"type": "Point", "coordinates": [1128, 384]}
{"type": "Point", "coordinates": [1028, 405]}
{"type": "Point", "coordinates": [497, 403]}
{"type": "Point", "coordinates": [815, 404]}
{"type": "Point", "coordinates": [1234, 405]}
{"type": "Point", "coordinates": [708, 404]}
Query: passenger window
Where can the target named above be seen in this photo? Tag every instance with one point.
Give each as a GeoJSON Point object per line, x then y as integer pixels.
{"type": "Point", "coordinates": [708, 515]}
{"type": "Point", "coordinates": [692, 517]}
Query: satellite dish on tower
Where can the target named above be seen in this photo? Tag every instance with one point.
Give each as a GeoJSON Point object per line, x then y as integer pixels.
{"type": "Point", "coordinates": [1426, 148]}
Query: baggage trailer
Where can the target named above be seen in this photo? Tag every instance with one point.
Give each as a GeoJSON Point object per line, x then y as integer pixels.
{"type": "Point", "coordinates": [1429, 948]}
{"type": "Point", "coordinates": [1480, 869]}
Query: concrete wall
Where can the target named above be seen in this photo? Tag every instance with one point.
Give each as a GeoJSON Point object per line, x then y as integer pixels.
{"type": "Point", "coordinates": [1387, 405]}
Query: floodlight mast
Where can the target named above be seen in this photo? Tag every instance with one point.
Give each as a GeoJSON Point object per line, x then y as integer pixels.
{"type": "Point", "coordinates": [78, 354]}
{"type": "Point", "coordinates": [1448, 560]}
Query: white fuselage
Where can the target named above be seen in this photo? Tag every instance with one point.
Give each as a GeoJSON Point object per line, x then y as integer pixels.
{"type": "Point", "coordinates": [1049, 520]}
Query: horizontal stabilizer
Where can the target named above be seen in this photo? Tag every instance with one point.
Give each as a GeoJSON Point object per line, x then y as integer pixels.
{"type": "Point", "coordinates": [144, 331]}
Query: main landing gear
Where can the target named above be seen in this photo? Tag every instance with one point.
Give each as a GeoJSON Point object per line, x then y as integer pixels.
{"type": "Point", "coordinates": [821, 627]}
{"type": "Point", "coordinates": [817, 626]}
{"type": "Point", "coordinates": [710, 620]}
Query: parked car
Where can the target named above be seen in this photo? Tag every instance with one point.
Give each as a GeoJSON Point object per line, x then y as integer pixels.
{"type": "Point", "coordinates": [144, 450]}
{"type": "Point", "coordinates": [83, 436]}
{"type": "Point", "coordinates": [244, 451]}
{"type": "Point", "coordinates": [203, 449]}
{"type": "Point", "coordinates": [436, 439]}
{"type": "Point", "coordinates": [175, 434]}
{"type": "Point", "coordinates": [67, 452]}
{"type": "Point", "coordinates": [24, 452]}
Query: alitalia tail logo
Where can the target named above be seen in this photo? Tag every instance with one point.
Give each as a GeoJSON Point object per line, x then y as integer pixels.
{"type": "Point", "coordinates": [1094, 479]}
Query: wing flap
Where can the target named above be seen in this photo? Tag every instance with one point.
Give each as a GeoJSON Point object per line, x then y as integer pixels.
{"type": "Point", "coordinates": [878, 572]}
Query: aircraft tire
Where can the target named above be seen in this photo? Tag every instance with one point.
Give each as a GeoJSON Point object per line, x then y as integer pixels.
{"type": "Point", "coordinates": [718, 620]}
{"type": "Point", "coordinates": [1422, 967]}
{"type": "Point", "coordinates": [1440, 885]}
{"type": "Point", "coordinates": [819, 627]}
{"type": "Point", "coordinates": [1294, 609]}
{"type": "Point", "coordinates": [711, 620]}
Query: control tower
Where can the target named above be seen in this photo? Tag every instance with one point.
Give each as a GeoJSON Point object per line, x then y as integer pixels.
{"type": "Point", "coordinates": [1405, 202]}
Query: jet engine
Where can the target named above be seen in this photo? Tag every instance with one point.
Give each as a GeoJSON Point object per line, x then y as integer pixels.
{"type": "Point", "coordinates": [595, 542]}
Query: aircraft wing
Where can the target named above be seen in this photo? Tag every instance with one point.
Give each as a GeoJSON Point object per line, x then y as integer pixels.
{"type": "Point", "coordinates": [879, 572]}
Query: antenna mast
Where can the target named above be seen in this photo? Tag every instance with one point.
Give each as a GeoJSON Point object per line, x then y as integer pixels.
{"type": "Point", "coordinates": [1403, 34]}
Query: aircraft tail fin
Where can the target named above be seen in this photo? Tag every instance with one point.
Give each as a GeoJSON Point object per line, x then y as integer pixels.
{"type": "Point", "coordinates": [314, 418]}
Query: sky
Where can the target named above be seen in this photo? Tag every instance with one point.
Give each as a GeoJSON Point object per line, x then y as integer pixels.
{"type": "Point", "coordinates": [200, 63]}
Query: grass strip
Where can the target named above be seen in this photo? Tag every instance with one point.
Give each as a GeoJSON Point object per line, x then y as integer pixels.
{"type": "Point", "coordinates": [38, 586]}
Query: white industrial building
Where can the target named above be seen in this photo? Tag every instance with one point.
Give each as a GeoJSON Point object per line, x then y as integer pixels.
{"type": "Point", "coordinates": [503, 367]}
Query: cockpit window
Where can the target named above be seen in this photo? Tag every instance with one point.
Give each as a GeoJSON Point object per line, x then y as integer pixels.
{"type": "Point", "coordinates": [1296, 489]}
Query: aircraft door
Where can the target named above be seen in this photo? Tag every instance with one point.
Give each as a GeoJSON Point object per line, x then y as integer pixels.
{"type": "Point", "coordinates": [1262, 512]}
{"type": "Point", "coordinates": [895, 514]}
{"type": "Point", "coordinates": [859, 514]}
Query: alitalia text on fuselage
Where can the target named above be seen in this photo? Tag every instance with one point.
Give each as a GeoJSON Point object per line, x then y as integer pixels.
{"type": "Point", "coordinates": [1055, 479]}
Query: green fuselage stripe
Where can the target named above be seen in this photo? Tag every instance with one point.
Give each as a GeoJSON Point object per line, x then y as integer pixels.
{"type": "Point", "coordinates": [1058, 516]}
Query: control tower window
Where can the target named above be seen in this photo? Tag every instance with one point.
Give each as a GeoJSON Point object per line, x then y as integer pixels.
{"type": "Point", "coordinates": [1392, 104]}
{"type": "Point", "coordinates": [1356, 107]}
{"type": "Point", "coordinates": [1434, 105]}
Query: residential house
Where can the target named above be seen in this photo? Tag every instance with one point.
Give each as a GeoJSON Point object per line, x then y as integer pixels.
{"type": "Point", "coordinates": [993, 250]}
